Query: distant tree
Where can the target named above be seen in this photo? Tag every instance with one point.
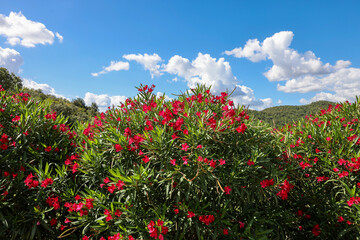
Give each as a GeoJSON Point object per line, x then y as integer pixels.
{"type": "Point", "coordinates": [9, 81]}
{"type": "Point", "coordinates": [79, 102]}
{"type": "Point", "coordinates": [94, 108]}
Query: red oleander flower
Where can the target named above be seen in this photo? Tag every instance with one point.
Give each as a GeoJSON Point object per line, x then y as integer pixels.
{"type": "Point", "coordinates": [118, 213]}
{"type": "Point", "coordinates": [152, 230]}
{"type": "Point", "coordinates": [164, 230]}
{"type": "Point", "coordinates": [53, 222]}
{"type": "Point", "coordinates": [111, 188]}
{"type": "Point", "coordinates": [227, 190]}
{"type": "Point", "coordinates": [120, 185]}
{"type": "Point", "coordinates": [250, 163]}
{"type": "Point", "coordinates": [241, 128]}
{"type": "Point", "coordinates": [242, 225]}
{"type": "Point", "coordinates": [118, 148]}
{"type": "Point", "coordinates": [173, 161]}
{"type": "Point", "coordinates": [207, 219]}
{"type": "Point", "coordinates": [16, 118]}
{"type": "Point", "coordinates": [190, 214]}
{"type": "Point", "coordinates": [266, 183]}
{"type": "Point", "coordinates": [48, 149]}
{"type": "Point", "coordinates": [77, 197]}
{"type": "Point", "coordinates": [146, 159]}
{"type": "Point", "coordinates": [184, 147]}
{"type": "Point", "coordinates": [316, 230]}
{"type": "Point", "coordinates": [46, 182]}
{"type": "Point", "coordinates": [74, 168]}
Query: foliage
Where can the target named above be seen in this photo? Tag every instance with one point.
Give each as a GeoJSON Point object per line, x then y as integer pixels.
{"type": "Point", "coordinates": [34, 143]}
{"type": "Point", "coordinates": [9, 81]}
{"type": "Point", "coordinates": [194, 164]}
{"type": "Point", "coordinates": [323, 153]}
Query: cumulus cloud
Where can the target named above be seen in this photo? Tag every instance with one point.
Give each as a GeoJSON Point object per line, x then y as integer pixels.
{"type": "Point", "coordinates": [215, 73]}
{"type": "Point", "coordinates": [10, 59]}
{"type": "Point", "coordinates": [252, 50]}
{"type": "Point", "coordinates": [103, 100]}
{"type": "Point", "coordinates": [19, 30]}
{"type": "Point", "coordinates": [149, 62]}
{"type": "Point", "coordinates": [288, 63]}
{"type": "Point", "coordinates": [45, 88]}
{"type": "Point", "coordinates": [302, 72]}
{"type": "Point", "coordinates": [114, 66]}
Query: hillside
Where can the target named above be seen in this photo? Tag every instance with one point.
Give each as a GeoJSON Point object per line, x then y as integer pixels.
{"type": "Point", "coordinates": [280, 115]}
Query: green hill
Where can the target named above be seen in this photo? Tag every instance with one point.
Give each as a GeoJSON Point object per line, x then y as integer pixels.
{"type": "Point", "coordinates": [280, 115]}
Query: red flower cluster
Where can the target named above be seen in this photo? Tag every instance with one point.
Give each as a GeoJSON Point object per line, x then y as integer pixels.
{"type": "Point", "coordinates": [30, 182]}
{"type": "Point", "coordinates": [207, 219]}
{"type": "Point", "coordinates": [316, 230]}
{"type": "Point", "coordinates": [153, 229]}
{"type": "Point", "coordinates": [53, 202]}
{"type": "Point", "coordinates": [52, 116]}
{"type": "Point", "coordinates": [285, 189]}
{"type": "Point", "coordinates": [4, 140]}
{"type": "Point", "coordinates": [267, 182]}
{"type": "Point", "coordinates": [353, 200]}
{"type": "Point", "coordinates": [46, 182]}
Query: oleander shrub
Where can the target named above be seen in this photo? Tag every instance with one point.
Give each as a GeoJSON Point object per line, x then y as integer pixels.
{"type": "Point", "coordinates": [34, 144]}
{"type": "Point", "coordinates": [193, 168]}
{"type": "Point", "coordinates": [323, 156]}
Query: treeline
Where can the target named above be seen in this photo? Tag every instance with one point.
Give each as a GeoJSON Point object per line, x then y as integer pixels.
{"type": "Point", "coordinates": [76, 109]}
{"type": "Point", "coordinates": [281, 115]}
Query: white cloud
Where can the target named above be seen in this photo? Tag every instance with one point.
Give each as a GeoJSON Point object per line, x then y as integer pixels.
{"type": "Point", "coordinates": [10, 59]}
{"type": "Point", "coordinates": [288, 63]}
{"type": "Point", "coordinates": [114, 66]}
{"type": "Point", "coordinates": [279, 101]}
{"type": "Point", "coordinates": [326, 96]}
{"type": "Point", "coordinates": [45, 88]}
{"type": "Point", "coordinates": [18, 30]}
{"type": "Point", "coordinates": [203, 70]}
{"type": "Point", "coordinates": [302, 72]}
{"type": "Point", "coordinates": [61, 38]}
{"type": "Point", "coordinates": [215, 73]}
{"type": "Point", "coordinates": [149, 62]}
{"type": "Point", "coordinates": [244, 95]}
{"type": "Point", "coordinates": [252, 50]}
{"type": "Point", "coordinates": [103, 100]}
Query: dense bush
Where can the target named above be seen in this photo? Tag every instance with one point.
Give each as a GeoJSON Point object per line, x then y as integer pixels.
{"type": "Point", "coordinates": [197, 167]}
{"type": "Point", "coordinates": [195, 164]}
{"type": "Point", "coordinates": [34, 144]}
{"type": "Point", "coordinates": [324, 161]}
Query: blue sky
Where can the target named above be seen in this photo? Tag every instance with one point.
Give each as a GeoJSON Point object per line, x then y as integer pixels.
{"type": "Point", "coordinates": [64, 48]}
